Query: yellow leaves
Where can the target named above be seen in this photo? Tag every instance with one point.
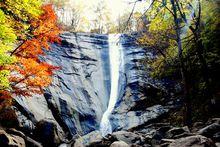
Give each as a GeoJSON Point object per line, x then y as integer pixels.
{"type": "Point", "coordinates": [161, 22]}
{"type": "Point", "coordinates": [4, 79]}
{"type": "Point", "coordinates": [24, 9]}
{"type": "Point", "coordinates": [7, 39]}
{"type": "Point", "coordinates": [7, 36]}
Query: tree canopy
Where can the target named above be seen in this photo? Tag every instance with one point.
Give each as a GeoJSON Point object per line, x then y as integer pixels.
{"type": "Point", "coordinates": [27, 27]}
{"type": "Point", "coordinates": [184, 34]}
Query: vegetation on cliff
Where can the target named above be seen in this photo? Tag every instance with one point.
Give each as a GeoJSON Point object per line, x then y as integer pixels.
{"type": "Point", "coordinates": [27, 28]}
{"type": "Point", "coordinates": [185, 36]}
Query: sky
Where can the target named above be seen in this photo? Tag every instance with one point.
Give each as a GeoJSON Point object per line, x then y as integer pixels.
{"type": "Point", "coordinates": [116, 7]}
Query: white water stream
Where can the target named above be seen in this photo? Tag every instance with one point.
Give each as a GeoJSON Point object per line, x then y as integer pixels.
{"type": "Point", "coordinates": [115, 49]}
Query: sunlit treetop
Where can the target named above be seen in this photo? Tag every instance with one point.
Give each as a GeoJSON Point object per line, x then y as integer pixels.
{"type": "Point", "coordinates": [22, 9]}
{"type": "Point", "coordinates": [7, 40]}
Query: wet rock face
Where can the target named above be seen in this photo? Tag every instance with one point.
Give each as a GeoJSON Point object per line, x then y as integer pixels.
{"type": "Point", "coordinates": [136, 89]}
{"type": "Point", "coordinates": [132, 119]}
{"type": "Point", "coordinates": [79, 94]}
{"type": "Point", "coordinates": [80, 89]}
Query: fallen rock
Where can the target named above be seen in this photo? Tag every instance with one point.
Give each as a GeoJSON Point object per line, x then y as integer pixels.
{"type": "Point", "coordinates": [119, 144]}
{"type": "Point", "coordinates": [193, 141]}
{"type": "Point", "coordinates": [214, 120]}
{"type": "Point", "coordinates": [92, 138]}
{"type": "Point", "coordinates": [210, 131]}
{"type": "Point", "coordinates": [176, 132]}
{"type": "Point", "coordinates": [28, 141]}
{"type": "Point", "coordinates": [217, 144]}
{"type": "Point", "coordinates": [128, 137]}
{"type": "Point", "coordinates": [197, 126]}
{"type": "Point", "coordinates": [10, 140]}
{"type": "Point", "coordinates": [216, 137]}
{"type": "Point", "coordinates": [46, 132]}
{"type": "Point", "coordinates": [152, 128]}
{"type": "Point", "coordinates": [165, 142]}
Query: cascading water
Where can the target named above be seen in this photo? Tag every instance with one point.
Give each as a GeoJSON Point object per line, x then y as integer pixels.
{"type": "Point", "coordinates": [115, 49]}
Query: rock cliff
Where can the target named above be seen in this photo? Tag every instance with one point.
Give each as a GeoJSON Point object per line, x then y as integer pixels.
{"type": "Point", "coordinates": [79, 94]}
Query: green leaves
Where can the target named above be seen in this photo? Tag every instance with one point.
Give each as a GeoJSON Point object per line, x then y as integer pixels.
{"type": "Point", "coordinates": [4, 82]}
{"type": "Point", "coordinates": [7, 40]}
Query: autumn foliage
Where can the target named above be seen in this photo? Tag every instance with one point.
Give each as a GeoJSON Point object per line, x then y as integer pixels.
{"type": "Point", "coordinates": [28, 73]}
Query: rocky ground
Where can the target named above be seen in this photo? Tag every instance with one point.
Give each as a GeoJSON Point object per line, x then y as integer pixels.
{"type": "Point", "coordinates": [154, 134]}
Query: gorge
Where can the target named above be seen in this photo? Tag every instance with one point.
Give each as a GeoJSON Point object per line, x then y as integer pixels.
{"type": "Point", "coordinates": [100, 73]}
{"type": "Point", "coordinates": [94, 68]}
{"type": "Point", "coordinates": [101, 94]}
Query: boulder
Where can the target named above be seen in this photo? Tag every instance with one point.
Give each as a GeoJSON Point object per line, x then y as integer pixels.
{"type": "Point", "coordinates": [167, 132]}
{"type": "Point", "coordinates": [46, 132]}
{"type": "Point", "coordinates": [10, 140]}
{"type": "Point", "coordinates": [193, 141]}
{"type": "Point", "coordinates": [197, 126]}
{"type": "Point", "coordinates": [28, 141]}
{"type": "Point", "coordinates": [210, 130]}
{"type": "Point", "coordinates": [217, 144]}
{"type": "Point", "coordinates": [128, 137]}
{"type": "Point", "coordinates": [119, 144]}
{"type": "Point", "coordinates": [214, 120]}
{"type": "Point", "coordinates": [178, 132]}
{"type": "Point", "coordinates": [216, 137]}
{"type": "Point", "coordinates": [90, 139]}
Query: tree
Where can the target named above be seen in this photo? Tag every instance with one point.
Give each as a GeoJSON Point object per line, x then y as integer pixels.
{"type": "Point", "coordinates": [75, 21]}
{"type": "Point", "coordinates": [176, 31]}
{"type": "Point", "coordinates": [124, 25]}
{"type": "Point", "coordinates": [102, 18]}
{"type": "Point", "coordinates": [29, 74]}
{"type": "Point", "coordinates": [32, 73]}
{"type": "Point", "coordinates": [20, 11]}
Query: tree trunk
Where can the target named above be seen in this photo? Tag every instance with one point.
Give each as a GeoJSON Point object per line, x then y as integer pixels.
{"type": "Point", "coordinates": [183, 70]}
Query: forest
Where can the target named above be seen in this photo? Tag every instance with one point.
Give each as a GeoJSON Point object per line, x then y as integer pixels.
{"type": "Point", "coordinates": [58, 57]}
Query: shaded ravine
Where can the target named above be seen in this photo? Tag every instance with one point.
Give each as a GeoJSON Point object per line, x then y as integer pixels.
{"type": "Point", "coordinates": [115, 50]}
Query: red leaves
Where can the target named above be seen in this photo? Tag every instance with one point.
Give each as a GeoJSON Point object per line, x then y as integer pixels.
{"type": "Point", "coordinates": [4, 94]}
{"type": "Point", "coordinates": [30, 75]}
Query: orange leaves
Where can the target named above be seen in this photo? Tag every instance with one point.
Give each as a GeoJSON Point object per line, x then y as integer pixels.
{"type": "Point", "coordinates": [46, 26]}
{"type": "Point", "coordinates": [4, 94]}
{"type": "Point", "coordinates": [44, 31]}
{"type": "Point", "coordinates": [29, 74]}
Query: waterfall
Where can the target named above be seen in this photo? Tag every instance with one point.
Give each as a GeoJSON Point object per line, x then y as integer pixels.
{"type": "Point", "coordinates": [115, 58]}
